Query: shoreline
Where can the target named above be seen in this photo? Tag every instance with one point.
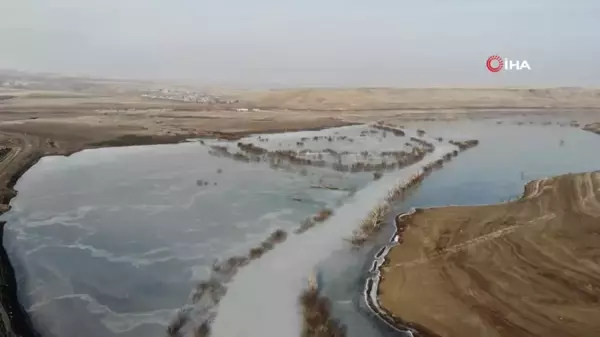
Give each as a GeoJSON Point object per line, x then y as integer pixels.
{"type": "Point", "coordinates": [12, 312]}
{"type": "Point", "coordinates": [533, 190]}
{"type": "Point", "coordinates": [371, 288]}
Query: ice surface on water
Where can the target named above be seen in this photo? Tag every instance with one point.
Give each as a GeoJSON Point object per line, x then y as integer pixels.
{"type": "Point", "coordinates": [110, 242]}
{"type": "Point", "coordinates": [115, 240]}
{"type": "Point", "coordinates": [263, 298]}
{"type": "Point", "coordinates": [507, 157]}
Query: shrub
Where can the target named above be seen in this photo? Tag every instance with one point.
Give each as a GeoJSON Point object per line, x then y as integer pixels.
{"type": "Point", "coordinates": [203, 330]}
{"type": "Point", "coordinates": [323, 215]}
{"type": "Point", "coordinates": [317, 317]}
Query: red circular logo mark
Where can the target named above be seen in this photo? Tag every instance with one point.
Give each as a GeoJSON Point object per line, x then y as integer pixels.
{"type": "Point", "coordinates": [497, 60]}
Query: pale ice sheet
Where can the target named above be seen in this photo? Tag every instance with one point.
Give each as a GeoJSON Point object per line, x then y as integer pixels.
{"type": "Point", "coordinates": [262, 300]}
{"type": "Point", "coordinates": [112, 241]}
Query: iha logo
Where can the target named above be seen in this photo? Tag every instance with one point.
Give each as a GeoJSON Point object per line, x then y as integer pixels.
{"type": "Point", "coordinates": [495, 63]}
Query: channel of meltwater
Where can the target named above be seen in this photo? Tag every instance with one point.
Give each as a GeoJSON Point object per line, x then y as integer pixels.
{"type": "Point", "coordinates": [262, 300]}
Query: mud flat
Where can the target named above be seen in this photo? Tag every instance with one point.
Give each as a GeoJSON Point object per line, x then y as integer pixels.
{"type": "Point", "coordinates": [530, 267]}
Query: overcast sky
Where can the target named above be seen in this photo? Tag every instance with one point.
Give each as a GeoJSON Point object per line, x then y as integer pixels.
{"type": "Point", "coordinates": [306, 42]}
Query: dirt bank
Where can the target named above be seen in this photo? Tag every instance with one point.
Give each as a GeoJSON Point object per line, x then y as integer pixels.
{"type": "Point", "coordinates": [369, 99]}
{"type": "Point", "coordinates": [525, 268]}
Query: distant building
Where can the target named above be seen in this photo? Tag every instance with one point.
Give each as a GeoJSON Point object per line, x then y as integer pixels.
{"type": "Point", "coordinates": [183, 96]}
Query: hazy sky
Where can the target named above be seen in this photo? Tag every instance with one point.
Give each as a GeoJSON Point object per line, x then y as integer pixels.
{"type": "Point", "coordinates": [306, 42]}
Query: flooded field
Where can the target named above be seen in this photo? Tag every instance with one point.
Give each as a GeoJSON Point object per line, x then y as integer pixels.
{"type": "Point", "coordinates": [119, 242]}
{"type": "Point", "coordinates": [510, 154]}
{"type": "Point", "coordinates": [115, 242]}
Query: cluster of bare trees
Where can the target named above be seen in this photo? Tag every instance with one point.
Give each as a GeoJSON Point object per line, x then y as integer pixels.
{"type": "Point", "coordinates": [309, 223]}
{"type": "Point", "coordinates": [214, 288]}
{"type": "Point", "coordinates": [396, 131]}
{"type": "Point", "coordinates": [465, 145]}
{"type": "Point", "coordinates": [251, 148]}
{"type": "Point", "coordinates": [376, 218]}
{"type": "Point", "coordinates": [371, 224]}
{"type": "Point", "coordinates": [317, 318]}
{"type": "Point", "coordinates": [426, 145]}
{"type": "Point", "coordinates": [279, 158]}
{"type": "Point", "coordinates": [402, 158]}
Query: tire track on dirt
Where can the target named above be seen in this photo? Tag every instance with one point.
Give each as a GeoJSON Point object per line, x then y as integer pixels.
{"type": "Point", "coordinates": [476, 241]}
